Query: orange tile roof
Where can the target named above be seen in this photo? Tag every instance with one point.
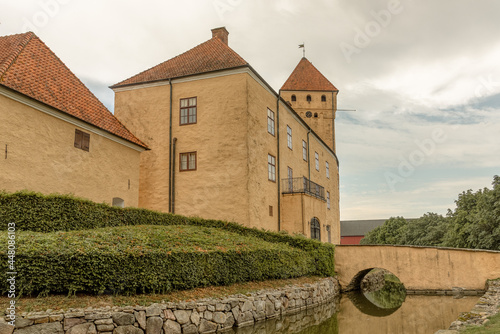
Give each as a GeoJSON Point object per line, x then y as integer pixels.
{"type": "Point", "coordinates": [29, 67]}
{"type": "Point", "coordinates": [212, 55]}
{"type": "Point", "coordinates": [307, 77]}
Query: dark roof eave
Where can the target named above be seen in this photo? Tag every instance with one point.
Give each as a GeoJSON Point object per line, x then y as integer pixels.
{"type": "Point", "coordinates": [144, 146]}
{"type": "Point", "coordinates": [178, 77]}
{"type": "Point", "coordinates": [309, 90]}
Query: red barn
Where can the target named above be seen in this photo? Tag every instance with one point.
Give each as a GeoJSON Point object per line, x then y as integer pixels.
{"type": "Point", "coordinates": [352, 231]}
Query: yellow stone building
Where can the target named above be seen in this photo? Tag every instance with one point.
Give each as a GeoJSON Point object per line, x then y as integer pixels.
{"type": "Point", "coordinates": [216, 141]}
{"type": "Point", "coordinates": [55, 135]}
{"type": "Point", "coordinates": [225, 145]}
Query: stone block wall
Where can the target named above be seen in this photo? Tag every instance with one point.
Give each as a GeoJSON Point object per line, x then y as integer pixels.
{"type": "Point", "coordinates": [198, 317]}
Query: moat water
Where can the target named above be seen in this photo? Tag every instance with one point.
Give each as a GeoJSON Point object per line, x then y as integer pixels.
{"type": "Point", "coordinates": [355, 314]}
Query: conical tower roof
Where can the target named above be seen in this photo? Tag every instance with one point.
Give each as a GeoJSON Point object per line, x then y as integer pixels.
{"type": "Point", "coordinates": [307, 77]}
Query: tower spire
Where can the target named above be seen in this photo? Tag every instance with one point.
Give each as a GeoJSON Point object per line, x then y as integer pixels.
{"type": "Point", "coordinates": [303, 47]}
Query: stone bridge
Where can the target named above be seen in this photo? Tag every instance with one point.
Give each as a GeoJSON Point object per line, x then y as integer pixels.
{"type": "Point", "coordinates": [418, 268]}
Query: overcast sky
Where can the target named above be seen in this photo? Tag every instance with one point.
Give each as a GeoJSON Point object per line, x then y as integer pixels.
{"type": "Point", "coordinates": [423, 76]}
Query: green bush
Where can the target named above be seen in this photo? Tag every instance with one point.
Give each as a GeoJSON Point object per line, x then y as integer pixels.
{"type": "Point", "coordinates": [95, 267]}
{"type": "Point", "coordinates": [147, 259]}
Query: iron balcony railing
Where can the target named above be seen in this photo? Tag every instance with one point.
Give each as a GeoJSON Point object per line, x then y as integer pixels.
{"type": "Point", "coordinates": [302, 185]}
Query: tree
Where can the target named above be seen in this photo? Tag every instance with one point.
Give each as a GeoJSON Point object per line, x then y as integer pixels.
{"type": "Point", "coordinates": [475, 223]}
{"type": "Point", "coordinates": [393, 232]}
{"type": "Point", "coordinates": [427, 230]}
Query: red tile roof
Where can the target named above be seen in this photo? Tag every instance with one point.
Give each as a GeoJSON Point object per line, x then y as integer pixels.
{"type": "Point", "coordinates": [307, 77]}
{"type": "Point", "coordinates": [212, 55]}
{"type": "Point", "coordinates": [29, 67]}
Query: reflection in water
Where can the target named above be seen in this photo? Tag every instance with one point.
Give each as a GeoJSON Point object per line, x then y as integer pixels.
{"type": "Point", "coordinates": [417, 315]}
{"type": "Point", "coordinates": [391, 296]}
{"type": "Point", "coordinates": [321, 319]}
{"type": "Point", "coordinates": [367, 306]}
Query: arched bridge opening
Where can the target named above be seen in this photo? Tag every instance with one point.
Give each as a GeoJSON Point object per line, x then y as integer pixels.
{"type": "Point", "coordinates": [376, 292]}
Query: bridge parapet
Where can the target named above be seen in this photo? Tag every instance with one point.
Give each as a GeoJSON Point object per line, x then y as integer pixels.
{"type": "Point", "coordinates": [419, 268]}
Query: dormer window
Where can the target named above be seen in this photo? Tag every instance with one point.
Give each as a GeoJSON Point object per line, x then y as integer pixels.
{"type": "Point", "coordinates": [294, 98]}
{"type": "Point", "coordinates": [308, 98]}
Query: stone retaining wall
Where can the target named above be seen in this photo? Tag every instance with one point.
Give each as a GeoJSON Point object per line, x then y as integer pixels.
{"type": "Point", "coordinates": [487, 306]}
{"type": "Point", "coordinates": [202, 316]}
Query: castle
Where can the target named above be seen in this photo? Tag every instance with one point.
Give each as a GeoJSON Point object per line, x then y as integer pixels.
{"type": "Point", "coordinates": [202, 134]}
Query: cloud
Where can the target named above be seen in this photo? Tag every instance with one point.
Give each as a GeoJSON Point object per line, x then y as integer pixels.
{"type": "Point", "coordinates": [431, 65]}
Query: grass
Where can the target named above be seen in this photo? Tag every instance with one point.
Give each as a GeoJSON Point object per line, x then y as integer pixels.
{"type": "Point", "coordinates": [492, 327]}
{"type": "Point", "coordinates": [138, 240]}
{"type": "Point", "coordinates": [57, 302]}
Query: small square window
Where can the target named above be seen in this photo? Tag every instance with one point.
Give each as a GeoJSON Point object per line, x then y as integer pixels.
{"type": "Point", "coordinates": [187, 161]}
{"type": "Point", "coordinates": [82, 140]}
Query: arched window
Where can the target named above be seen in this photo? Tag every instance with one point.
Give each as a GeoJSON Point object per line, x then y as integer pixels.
{"type": "Point", "coordinates": [308, 98]}
{"type": "Point", "coordinates": [294, 98]}
{"type": "Point", "coordinates": [315, 115]}
{"type": "Point", "coordinates": [323, 98]}
{"type": "Point", "coordinates": [315, 229]}
{"type": "Point", "coordinates": [117, 201]}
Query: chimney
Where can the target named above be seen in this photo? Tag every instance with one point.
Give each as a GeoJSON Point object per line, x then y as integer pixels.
{"type": "Point", "coordinates": [221, 33]}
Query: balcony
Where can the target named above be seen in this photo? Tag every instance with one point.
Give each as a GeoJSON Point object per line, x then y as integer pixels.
{"type": "Point", "coordinates": [301, 185]}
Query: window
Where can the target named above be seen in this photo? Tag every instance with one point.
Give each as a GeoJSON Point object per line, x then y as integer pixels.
{"type": "Point", "coordinates": [270, 210]}
{"type": "Point", "coordinates": [187, 161]}
{"type": "Point", "coordinates": [117, 201]}
{"type": "Point", "coordinates": [309, 114]}
{"type": "Point", "coordinates": [188, 111]}
{"type": "Point", "coordinates": [316, 158]}
{"type": "Point", "coordinates": [315, 229]}
{"type": "Point", "coordinates": [327, 170]}
{"type": "Point", "coordinates": [308, 98]}
{"type": "Point", "coordinates": [270, 121]}
{"type": "Point", "coordinates": [271, 167]}
{"type": "Point", "coordinates": [304, 150]}
{"type": "Point", "coordinates": [290, 179]}
{"type": "Point", "coordinates": [82, 140]}
{"type": "Point", "coordinates": [289, 137]}
{"type": "Point", "coordinates": [328, 200]}
{"type": "Point", "coordinates": [323, 98]}
{"type": "Point", "coordinates": [315, 115]}
{"type": "Point", "coordinates": [294, 98]}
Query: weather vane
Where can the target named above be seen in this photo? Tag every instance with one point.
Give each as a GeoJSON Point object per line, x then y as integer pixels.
{"type": "Point", "coordinates": [303, 47]}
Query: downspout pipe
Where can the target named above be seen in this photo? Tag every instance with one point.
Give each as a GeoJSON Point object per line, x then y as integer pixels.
{"type": "Point", "coordinates": [308, 156]}
{"type": "Point", "coordinates": [333, 123]}
{"type": "Point", "coordinates": [170, 171]}
{"type": "Point", "coordinates": [278, 154]}
{"type": "Point", "coordinates": [173, 175]}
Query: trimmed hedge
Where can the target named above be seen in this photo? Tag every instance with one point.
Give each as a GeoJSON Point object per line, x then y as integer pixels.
{"type": "Point", "coordinates": [124, 272]}
{"type": "Point", "coordinates": [130, 260]}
